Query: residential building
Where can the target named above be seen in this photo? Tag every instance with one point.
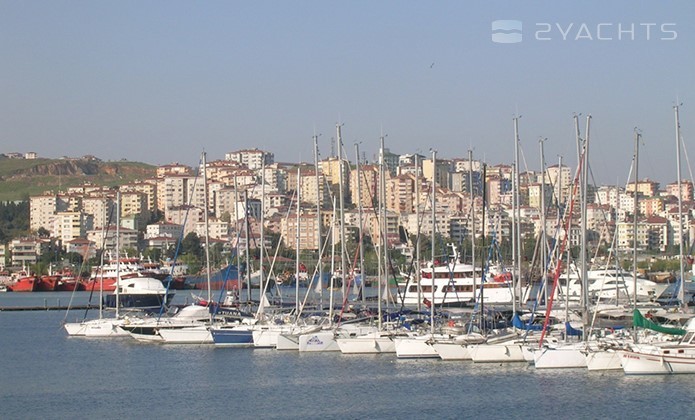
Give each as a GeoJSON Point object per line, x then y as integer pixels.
{"type": "Point", "coordinates": [251, 158]}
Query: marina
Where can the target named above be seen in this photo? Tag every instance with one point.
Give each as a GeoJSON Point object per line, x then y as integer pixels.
{"type": "Point", "coordinates": [193, 381]}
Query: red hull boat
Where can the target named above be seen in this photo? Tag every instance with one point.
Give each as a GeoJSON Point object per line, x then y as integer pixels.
{"type": "Point", "coordinates": [24, 284]}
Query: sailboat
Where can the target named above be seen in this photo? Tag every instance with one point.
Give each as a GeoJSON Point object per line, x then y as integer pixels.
{"type": "Point", "coordinates": [104, 327]}
{"type": "Point", "coordinates": [551, 353]}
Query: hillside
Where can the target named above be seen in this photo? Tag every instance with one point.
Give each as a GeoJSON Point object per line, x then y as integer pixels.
{"type": "Point", "coordinates": [20, 178]}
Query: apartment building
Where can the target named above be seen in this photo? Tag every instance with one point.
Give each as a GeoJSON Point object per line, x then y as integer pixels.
{"type": "Point", "coordinates": [251, 158]}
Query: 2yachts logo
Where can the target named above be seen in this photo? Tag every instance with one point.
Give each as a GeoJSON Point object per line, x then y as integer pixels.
{"type": "Point", "coordinates": [507, 31]}
{"type": "Point", "coordinates": [510, 31]}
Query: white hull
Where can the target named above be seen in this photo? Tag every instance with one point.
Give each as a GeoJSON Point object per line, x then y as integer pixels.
{"type": "Point", "coordinates": [371, 343]}
{"type": "Point", "coordinates": [603, 359]}
{"type": "Point", "coordinates": [97, 328]}
{"type": "Point", "coordinates": [653, 360]}
{"type": "Point", "coordinates": [189, 335]}
{"type": "Point", "coordinates": [561, 357]}
{"type": "Point", "coordinates": [499, 353]}
{"type": "Point", "coordinates": [318, 342]}
{"type": "Point", "coordinates": [451, 350]}
{"type": "Point", "coordinates": [288, 341]}
{"type": "Point", "coordinates": [415, 348]}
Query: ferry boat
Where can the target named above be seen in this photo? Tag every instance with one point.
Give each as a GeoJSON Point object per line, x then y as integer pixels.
{"type": "Point", "coordinates": [456, 284]}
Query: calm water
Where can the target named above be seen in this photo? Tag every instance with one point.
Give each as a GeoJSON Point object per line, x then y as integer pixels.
{"type": "Point", "coordinates": [45, 374]}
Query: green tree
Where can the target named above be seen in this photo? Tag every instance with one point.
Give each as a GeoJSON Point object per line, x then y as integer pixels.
{"type": "Point", "coordinates": [191, 245]}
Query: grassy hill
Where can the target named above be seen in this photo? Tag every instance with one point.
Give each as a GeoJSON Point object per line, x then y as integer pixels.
{"type": "Point", "coordinates": [21, 178]}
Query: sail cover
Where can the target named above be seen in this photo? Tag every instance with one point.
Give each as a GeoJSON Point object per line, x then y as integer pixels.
{"type": "Point", "coordinates": [638, 320]}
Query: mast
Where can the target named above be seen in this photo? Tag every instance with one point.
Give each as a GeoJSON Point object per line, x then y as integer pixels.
{"type": "Point", "coordinates": [207, 236]}
{"type": "Point", "coordinates": [261, 281]}
{"type": "Point", "coordinates": [681, 291]}
{"type": "Point", "coordinates": [574, 190]}
{"type": "Point", "coordinates": [585, 179]}
{"type": "Point", "coordinates": [386, 294]}
{"type": "Point", "coordinates": [118, 250]}
{"type": "Point", "coordinates": [516, 254]}
{"type": "Point", "coordinates": [434, 224]}
{"type": "Point", "coordinates": [101, 270]}
{"type": "Point", "coordinates": [382, 248]}
{"type": "Point", "coordinates": [240, 283]}
{"type": "Point", "coordinates": [360, 223]}
{"type": "Point", "coordinates": [634, 227]}
{"type": "Point", "coordinates": [297, 243]}
{"type": "Point", "coordinates": [482, 260]}
{"type": "Point", "coordinates": [247, 246]}
{"type": "Point", "coordinates": [472, 224]}
{"type": "Point", "coordinates": [341, 188]}
{"type": "Point", "coordinates": [543, 237]}
{"type": "Point", "coordinates": [417, 237]}
{"type": "Point", "coordinates": [319, 198]}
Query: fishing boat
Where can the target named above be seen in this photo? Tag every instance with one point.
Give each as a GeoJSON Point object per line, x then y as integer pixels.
{"type": "Point", "coordinates": [24, 284]}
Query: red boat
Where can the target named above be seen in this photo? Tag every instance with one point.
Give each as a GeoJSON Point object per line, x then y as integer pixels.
{"type": "Point", "coordinates": [24, 284]}
{"type": "Point", "coordinates": [96, 284]}
{"type": "Point", "coordinates": [47, 283]}
{"type": "Point", "coordinates": [68, 284]}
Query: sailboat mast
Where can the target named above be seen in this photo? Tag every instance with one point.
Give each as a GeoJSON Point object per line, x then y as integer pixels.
{"type": "Point", "coordinates": [118, 250]}
{"type": "Point", "coordinates": [382, 248]}
{"type": "Point", "coordinates": [341, 188]}
{"type": "Point", "coordinates": [434, 228]}
{"type": "Point", "coordinates": [261, 282]}
{"type": "Point", "coordinates": [360, 223]}
{"type": "Point", "coordinates": [101, 269]}
{"type": "Point", "coordinates": [634, 225]}
{"type": "Point", "coordinates": [585, 195]}
{"type": "Point", "coordinates": [297, 244]}
{"type": "Point", "coordinates": [544, 258]}
{"type": "Point", "coordinates": [237, 226]}
{"type": "Point", "coordinates": [472, 216]}
{"type": "Point", "coordinates": [681, 290]}
{"type": "Point", "coordinates": [205, 218]}
{"type": "Point", "coordinates": [247, 245]}
{"type": "Point", "coordinates": [319, 199]}
{"type": "Point", "coordinates": [417, 273]}
{"type": "Point", "coordinates": [516, 263]}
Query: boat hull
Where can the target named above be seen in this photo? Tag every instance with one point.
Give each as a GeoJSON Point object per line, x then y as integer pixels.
{"type": "Point", "coordinates": [232, 337]}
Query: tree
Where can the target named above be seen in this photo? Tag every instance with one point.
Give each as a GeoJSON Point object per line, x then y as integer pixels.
{"type": "Point", "coordinates": [191, 245]}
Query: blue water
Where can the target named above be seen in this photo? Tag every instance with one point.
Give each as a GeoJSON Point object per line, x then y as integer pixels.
{"type": "Point", "coordinates": [44, 374]}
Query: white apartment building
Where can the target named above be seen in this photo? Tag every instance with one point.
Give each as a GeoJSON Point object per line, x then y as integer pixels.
{"type": "Point", "coordinates": [69, 225]}
{"type": "Point", "coordinates": [100, 209]}
{"type": "Point", "coordinates": [42, 211]}
{"type": "Point", "coordinates": [252, 158]}
{"type": "Point", "coordinates": [307, 232]}
{"type": "Point", "coordinates": [560, 177]}
{"type": "Point", "coordinates": [128, 238]}
{"type": "Point", "coordinates": [25, 251]}
{"type": "Point", "coordinates": [163, 229]}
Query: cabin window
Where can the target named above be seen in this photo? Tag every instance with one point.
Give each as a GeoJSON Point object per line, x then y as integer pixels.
{"type": "Point", "coordinates": [423, 289]}
{"type": "Point", "coordinates": [688, 336]}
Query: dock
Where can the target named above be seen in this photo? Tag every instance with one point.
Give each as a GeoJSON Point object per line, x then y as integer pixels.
{"type": "Point", "coordinates": [46, 308]}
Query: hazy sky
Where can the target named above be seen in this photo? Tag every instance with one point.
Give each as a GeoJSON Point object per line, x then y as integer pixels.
{"type": "Point", "coordinates": [161, 81]}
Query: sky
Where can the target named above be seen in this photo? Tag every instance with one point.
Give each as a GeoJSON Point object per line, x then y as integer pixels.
{"type": "Point", "coordinates": [162, 81]}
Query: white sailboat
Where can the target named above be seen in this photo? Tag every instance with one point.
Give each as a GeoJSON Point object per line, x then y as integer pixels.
{"type": "Point", "coordinates": [104, 327]}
